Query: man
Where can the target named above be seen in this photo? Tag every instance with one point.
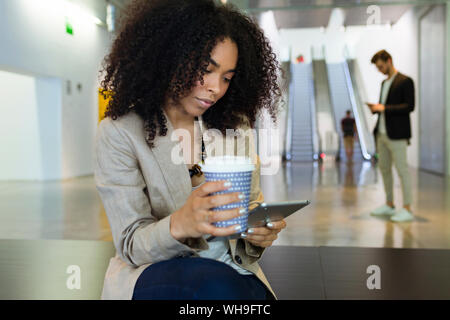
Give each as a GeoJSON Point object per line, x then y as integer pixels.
{"type": "Point", "coordinates": [348, 126]}
{"type": "Point", "coordinates": [392, 133]}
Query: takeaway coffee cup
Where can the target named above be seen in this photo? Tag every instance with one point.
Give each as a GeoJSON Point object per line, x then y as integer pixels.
{"type": "Point", "coordinates": [238, 170]}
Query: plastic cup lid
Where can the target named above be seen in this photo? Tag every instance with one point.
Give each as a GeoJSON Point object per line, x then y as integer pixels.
{"type": "Point", "coordinates": [227, 164]}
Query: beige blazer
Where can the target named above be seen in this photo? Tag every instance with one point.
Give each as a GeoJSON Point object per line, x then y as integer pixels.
{"type": "Point", "coordinates": [140, 187]}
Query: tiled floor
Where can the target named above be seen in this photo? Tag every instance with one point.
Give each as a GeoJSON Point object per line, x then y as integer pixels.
{"type": "Point", "coordinates": [68, 209]}
{"type": "Point", "coordinates": [342, 196]}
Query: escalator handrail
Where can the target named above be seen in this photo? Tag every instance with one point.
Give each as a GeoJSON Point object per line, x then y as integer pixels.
{"type": "Point", "coordinates": [314, 127]}
{"type": "Point", "coordinates": [357, 84]}
{"type": "Point", "coordinates": [289, 115]}
{"type": "Point", "coordinates": [350, 89]}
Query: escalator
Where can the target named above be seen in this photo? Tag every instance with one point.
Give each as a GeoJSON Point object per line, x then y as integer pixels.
{"type": "Point", "coordinates": [347, 94]}
{"type": "Point", "coordinates": [326, 124]}
{"type": "Point", "coordinates": [319, 96]}
{"type": "Point", "coordinates": [302, 142]}
{"type": "Point", "coordinates": [367, 141]}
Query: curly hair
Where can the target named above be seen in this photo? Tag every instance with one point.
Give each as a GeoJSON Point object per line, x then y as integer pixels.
{"type": "Point", "coordinates": [163, 47]}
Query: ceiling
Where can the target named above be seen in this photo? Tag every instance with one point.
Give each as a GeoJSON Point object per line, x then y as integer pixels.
{"type": "Point", "coordinates": [254, 5]}
{"type": "Point", "coordinates": [119, 3]}
{"type": "Point", "coordinates": [316, 13]}
{"type": "Point", "coordinates": [314, 18]}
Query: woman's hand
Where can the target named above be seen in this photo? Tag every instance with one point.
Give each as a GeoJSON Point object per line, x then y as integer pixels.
{"type": "Point", "coordinates": [195, 218]}
{"type": "Point", "coordinates": [264, 236]}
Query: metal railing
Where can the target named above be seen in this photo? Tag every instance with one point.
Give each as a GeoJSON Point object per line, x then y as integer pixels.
{"type": "Point", "coordinates": [316, 141]}
{"type": "Point", "coordinates": [365, 137]}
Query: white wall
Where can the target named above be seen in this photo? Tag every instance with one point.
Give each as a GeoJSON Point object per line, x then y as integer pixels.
{"type": "Point", "coordinates": [402, 42]}
{"type": "Point", "coordinates": [301, 41]}
{"type": "Point", "coordinates": [275, 149]}
{"type": "Point", "coordinates": [33, 40]}
{"type": "Point", "coordinates": [362, 42]}
{"type": "Point", "coordinates": [30, 133]}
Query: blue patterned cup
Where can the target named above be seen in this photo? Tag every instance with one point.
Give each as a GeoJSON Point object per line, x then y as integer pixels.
{"type": "Point", "coordinates": [238, 170]}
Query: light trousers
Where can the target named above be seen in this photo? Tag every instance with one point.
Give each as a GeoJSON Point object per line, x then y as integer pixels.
{"type": "Point", "coordinates": [394, 152]}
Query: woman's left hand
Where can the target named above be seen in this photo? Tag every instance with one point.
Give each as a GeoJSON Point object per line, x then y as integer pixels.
{"type": "Point", "coordinates": [264, 236]}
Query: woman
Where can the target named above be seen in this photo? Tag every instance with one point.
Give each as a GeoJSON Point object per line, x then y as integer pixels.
{"type": "Point", "coordinates": [172, 63]}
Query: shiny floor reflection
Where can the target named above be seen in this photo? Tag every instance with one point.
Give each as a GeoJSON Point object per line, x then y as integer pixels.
{"type": "Point", "coordinates": [342, 196]}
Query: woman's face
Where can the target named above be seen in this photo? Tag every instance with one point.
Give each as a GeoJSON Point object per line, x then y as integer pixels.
{"type": "Point", "coordinates": [216, 79]}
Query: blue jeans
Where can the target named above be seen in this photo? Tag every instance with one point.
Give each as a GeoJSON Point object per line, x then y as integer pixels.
{"type": "Point", "coordinates": [197, 279]}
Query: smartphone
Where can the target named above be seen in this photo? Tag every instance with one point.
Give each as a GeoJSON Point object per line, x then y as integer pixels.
{"type": "Point", "coordinates": [275, 211]}
{"type": "Point", "coordinates": [267, 212]}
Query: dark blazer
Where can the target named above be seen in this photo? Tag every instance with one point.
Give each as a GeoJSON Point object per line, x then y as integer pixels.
{"type": "Point", "coordinates": [399, 103]}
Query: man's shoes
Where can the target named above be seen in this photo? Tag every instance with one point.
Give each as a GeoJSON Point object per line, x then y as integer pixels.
{"type": "Point", "coordinates": [383, 211]}
{"type": "Point", "coordinates": [402, 216]}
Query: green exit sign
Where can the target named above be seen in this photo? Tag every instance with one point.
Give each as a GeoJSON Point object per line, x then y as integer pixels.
{"type": "Point", "coordinates": [69, 28]}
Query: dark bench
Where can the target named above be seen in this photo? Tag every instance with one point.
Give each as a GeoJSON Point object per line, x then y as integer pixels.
{"type": "Point", "coordinates": [342, 273]}
{"type": "Point", "coordinates": [37, 269]}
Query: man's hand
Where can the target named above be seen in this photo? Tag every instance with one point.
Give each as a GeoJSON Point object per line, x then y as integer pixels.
{"type": "Point", "coordinates": [376, 107]}
{"type": "Point", "coordinates": [264, 236]}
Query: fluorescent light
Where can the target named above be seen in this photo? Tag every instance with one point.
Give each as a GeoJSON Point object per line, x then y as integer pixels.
{"type": "Point", "coordinates": [72, 11]}
{"type": "Point", "coordinates": [110, 17]}
{"type": "Point", "coordinates": [80, 14]}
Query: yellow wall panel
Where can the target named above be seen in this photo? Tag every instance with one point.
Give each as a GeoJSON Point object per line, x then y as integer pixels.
{"type": "Point", "coordinates": [102, 104]}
